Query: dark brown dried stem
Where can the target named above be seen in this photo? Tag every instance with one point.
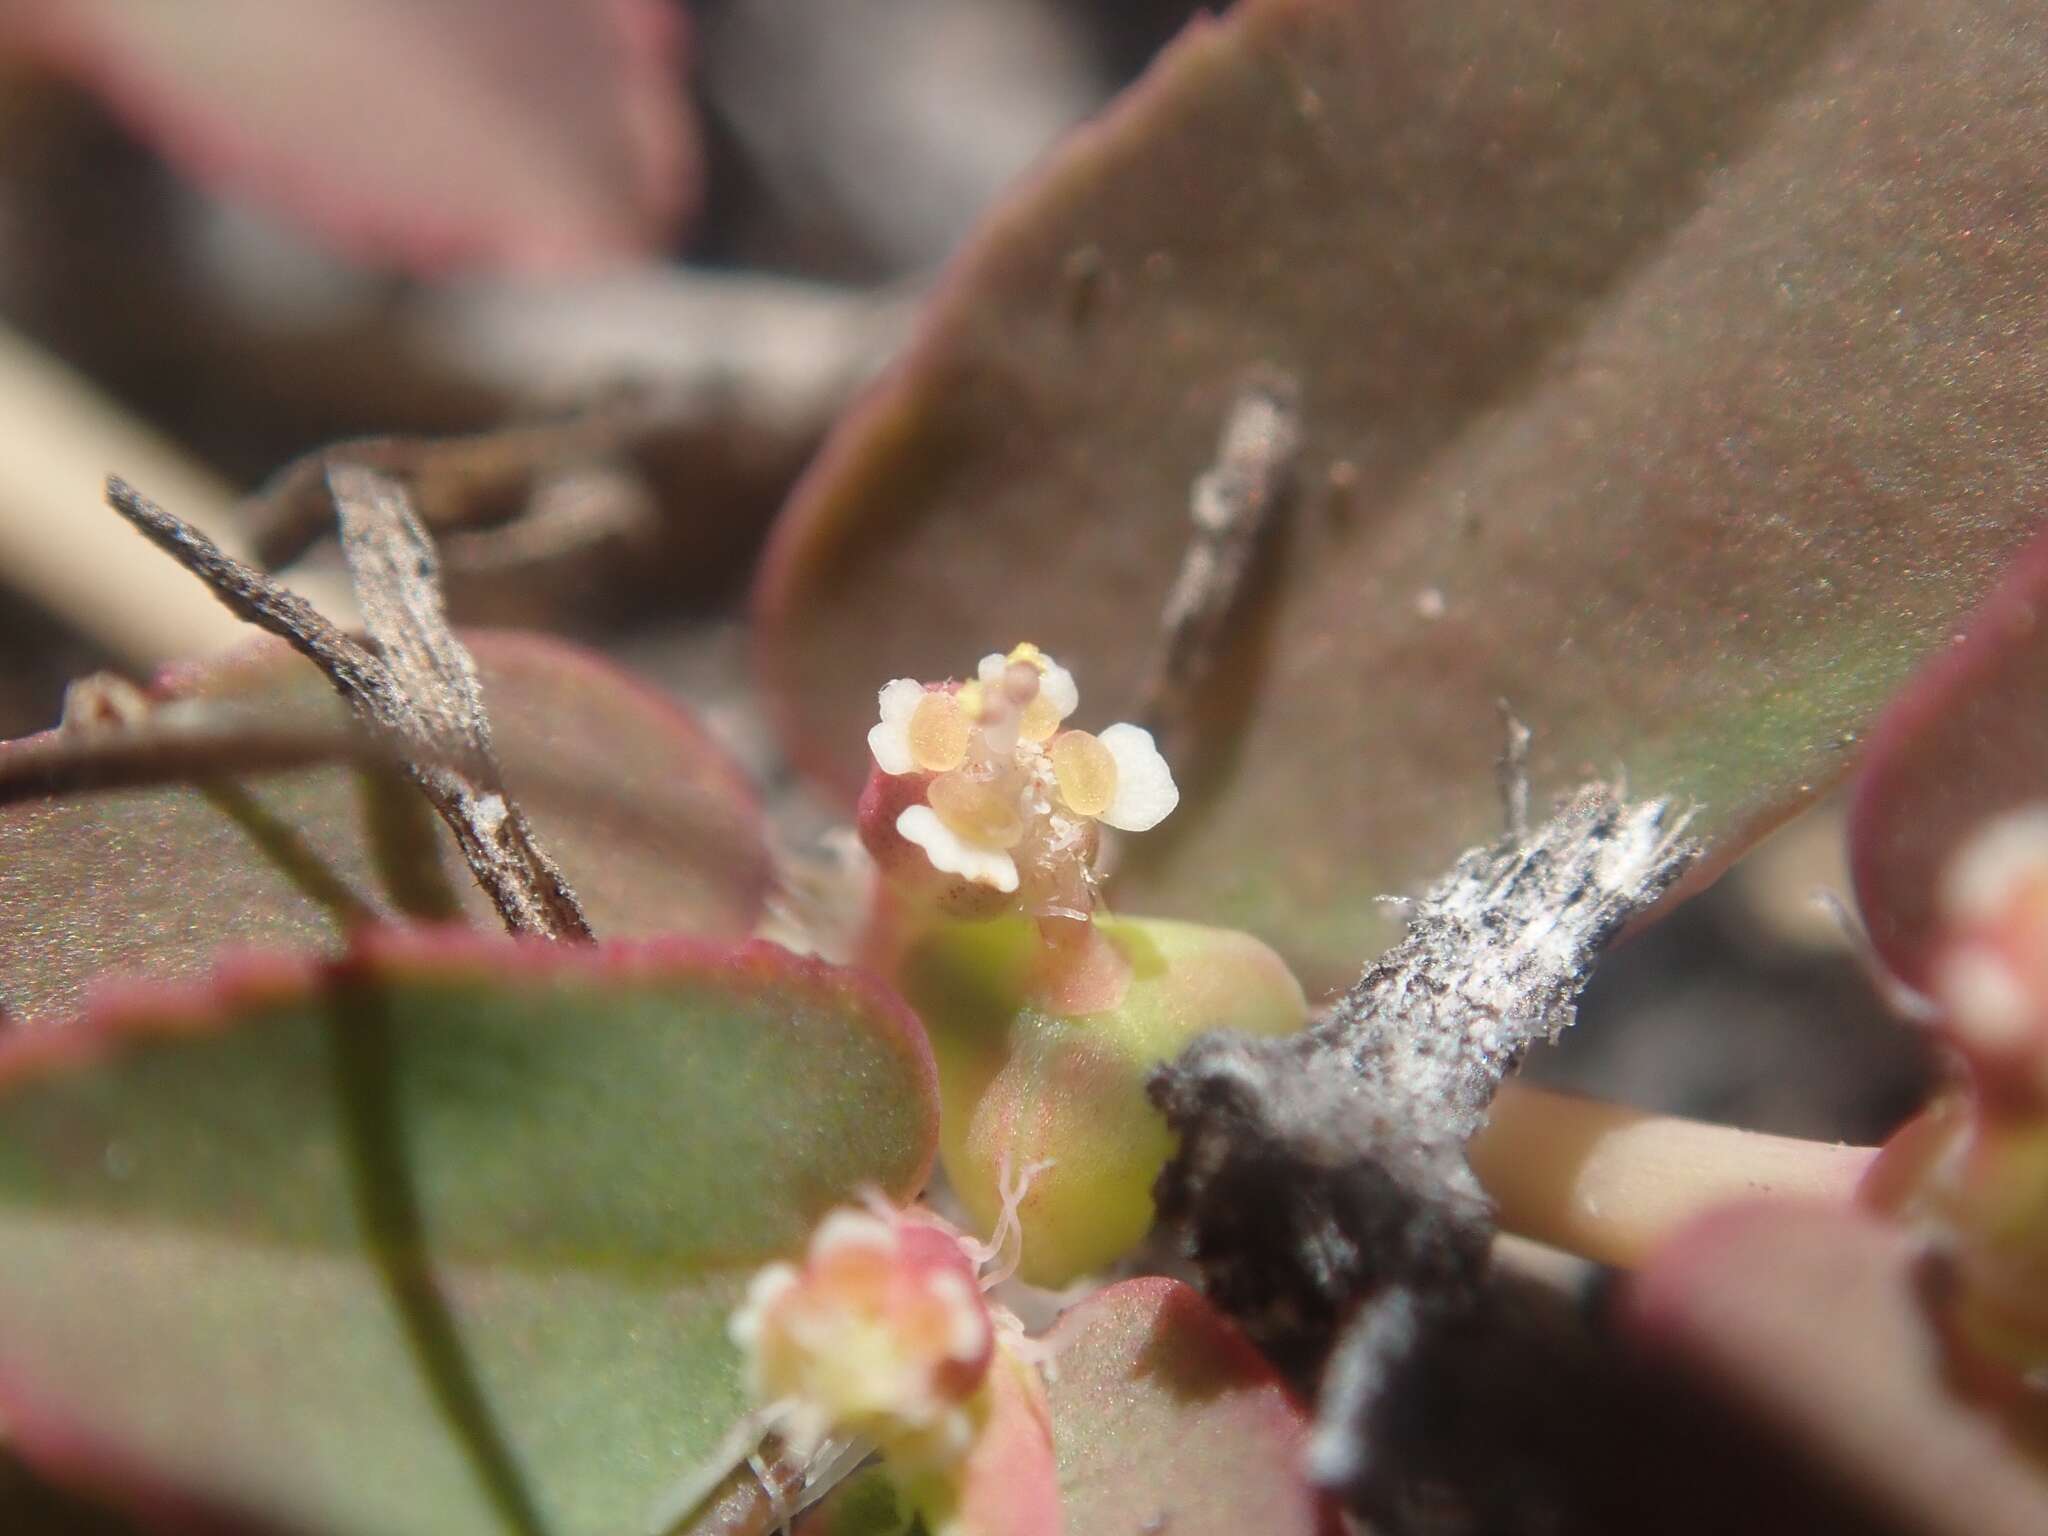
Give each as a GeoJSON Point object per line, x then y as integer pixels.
{"type": "Point", "coordinates": [1231, 506]}
{"type": "Point", "coordinates": [1324, 1178]}
{"type": "Point", "coordinates": [420, 695]}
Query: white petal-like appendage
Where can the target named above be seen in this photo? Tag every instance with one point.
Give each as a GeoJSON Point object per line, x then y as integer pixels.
{"type": "Point", "coordinates": [890, 741]}
{"type": "Point", "coordinates": [768, 1287]}
{"type": "Point", "coordinates": [1145, 791]}
{"type": "Point", "coordinates": [1057, 688]}
{"type": "Point", "coordinates": [846, 1228]}
{"type": "Point", "coordinates": [967, 1325]}
{"type": "Point", "coordinates": [953, 855]}
{"type": "Point", "coordinates": [990, 668]}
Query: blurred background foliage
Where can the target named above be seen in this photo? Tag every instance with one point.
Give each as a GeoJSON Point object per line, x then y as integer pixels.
{"type": "Point", "coordinates": [656, 401]}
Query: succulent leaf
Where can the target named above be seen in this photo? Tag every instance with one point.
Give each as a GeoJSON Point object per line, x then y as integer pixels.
{"type": "Point", "coordinates": [653, 822]}
{"type": "Point", "coordinates": [438, 1238]}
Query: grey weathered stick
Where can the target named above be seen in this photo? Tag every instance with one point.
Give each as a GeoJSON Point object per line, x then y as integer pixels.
{"type": "Point", "coordinates": [1231, 506]}
{"type": "Point", "coordinates": [398, 582]}
{"type": "Point", "coordinates": [1323, 1177]}
{"type": "Point", "coordinates": [421, 695]}
{"type": "Point", "coordinates": [397, 579]}
{"type": "Point", "coordinates": [251, 595]}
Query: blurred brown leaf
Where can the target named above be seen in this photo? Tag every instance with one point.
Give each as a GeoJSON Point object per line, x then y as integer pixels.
{"type": "Point", "coordinates": [1672, 371]}
{"type": "Point", "coordinates": [1814, 1319]}
{"type": "Point", "coordinates": [535, 134]}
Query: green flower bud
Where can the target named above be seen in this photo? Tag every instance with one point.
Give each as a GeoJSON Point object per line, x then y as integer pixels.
{"type": "Point", "coordinates": [1025, 1083]}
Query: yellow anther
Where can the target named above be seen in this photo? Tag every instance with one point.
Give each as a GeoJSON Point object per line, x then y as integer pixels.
{"type": "Point", "coordinates": [938, 733]}
{"type": "Point", "coordinates": [1085, 772]}
{"type": "Point", "coordinates": [1027, 652]}
{"type": "Point", "coordinates": [970, 701]}
{"type": "Point", "coordinates": [1040, 718]}
{"type": "Point", "coordinates": [982, 811]}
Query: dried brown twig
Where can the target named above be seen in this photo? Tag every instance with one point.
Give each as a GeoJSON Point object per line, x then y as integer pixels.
{"type": "Point", "coordinates": [1232, 505]}
{"type": "Point", "coordinates": [417, 690]}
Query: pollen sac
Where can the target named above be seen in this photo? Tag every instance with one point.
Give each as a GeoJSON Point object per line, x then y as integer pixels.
{"type": "Point", "coordinates": [985, 809]}
{"type": "Point", "coordinates": [907, 864]}
{"type": "Point", "coordinates": [881, 1331]}
{"type": "Point", "coordinates": [1085, 773]}
{"type": "Point", "coordinates": [1039, 719]}
{"type": "Point", "coordinates": [938, 733]}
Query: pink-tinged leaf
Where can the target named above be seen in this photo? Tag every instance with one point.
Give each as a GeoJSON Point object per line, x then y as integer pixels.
{"type": "Point", "coordinates": [1166, 1419]}
{"type": "Point", "coordinates": [1966, 740]}
{"type": "Point", "coordinates": [396, 1245]}
{"type": "Point", "coordinates": [1672, 372]}
{"type": "Point", "coordinates": [1816, 1319]}
{"type": "Point", "coordinates": [1010, 1484]}
{"type": "Point", "coordinates": [655, 825]}
{"type": "Point", "coordinates": [525, 133]}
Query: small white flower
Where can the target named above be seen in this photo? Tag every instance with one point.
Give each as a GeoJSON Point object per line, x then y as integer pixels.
{"type": "Point", "coordinates": [890, 740]}
{"type": "Point", "coordinates": [952, 854]}
{"type": "Point", "coordinates": [1145, 791]}
{"type": "Point", "coordinates": [880, 1331]}
{"type": "Point", "coordinates": [1014, 797]}
{"type": "Point", "coordinates": [769, 1286]}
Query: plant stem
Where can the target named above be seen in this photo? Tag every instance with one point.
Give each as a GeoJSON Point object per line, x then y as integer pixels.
{"type": "Point", "coordinates": [58, 548]}
{"type": "Point", "coordinates": [1077, 970]}
{"type": "Point", "coordinates": [1610, 1183]}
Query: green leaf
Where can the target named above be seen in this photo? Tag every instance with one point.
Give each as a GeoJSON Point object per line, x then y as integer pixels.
{"type": "Point", "coordinates": [1674, 372]}
{"type": "Point", "coordinates": [1164, 1418]}
{"type": "Point", "coordinates": [440, 1238]}
{"type": "Point", "coordinates": [655, 825]}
